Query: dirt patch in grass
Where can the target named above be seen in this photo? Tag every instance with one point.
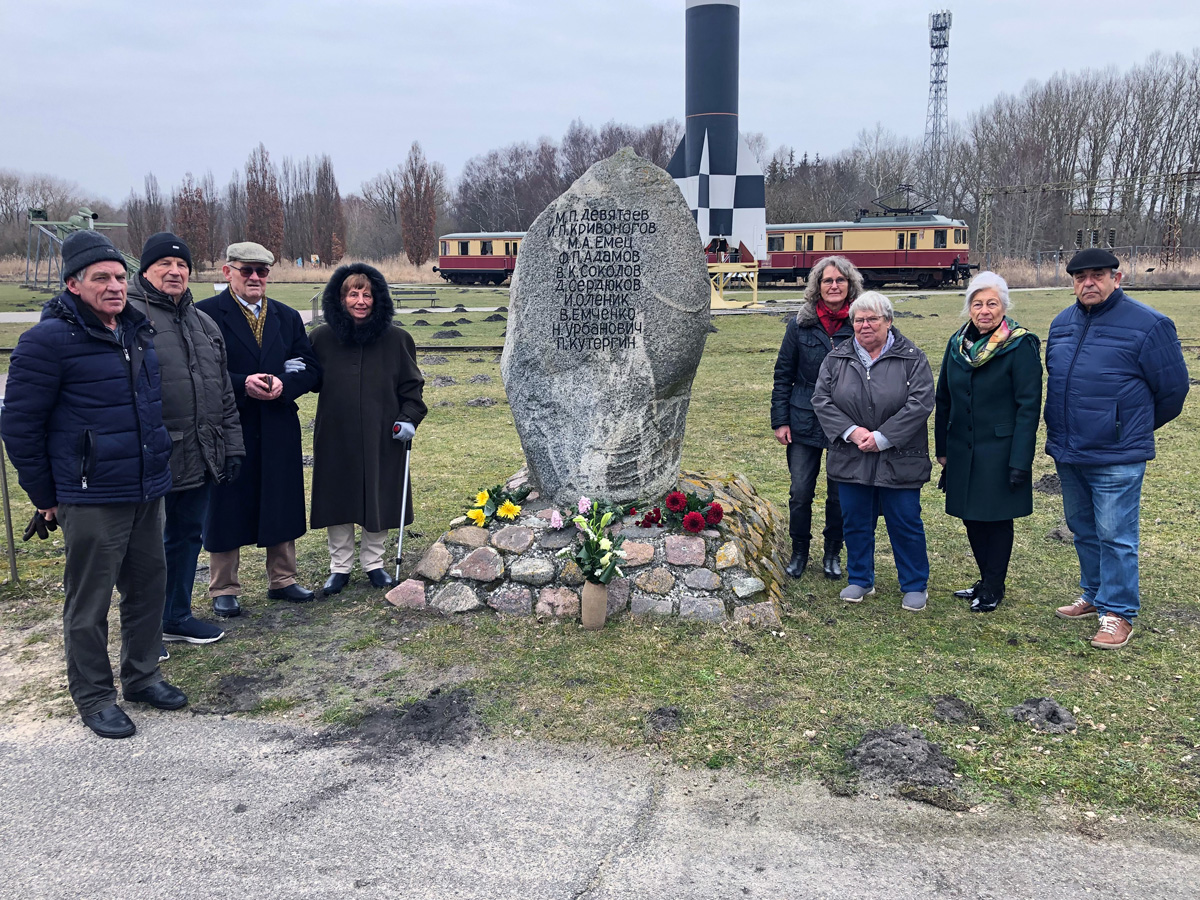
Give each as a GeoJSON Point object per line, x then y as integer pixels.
{"type": "Point", "coordinates": [901, 755]}
{"type": "Point", "coordinates": [1049, 484]}
{"type": "Point", "coordinates": [956, 711]}
{"type": "Point", "coordinates": [1044, 714]}
{"type": "Point", "coordinates": [441, 717]}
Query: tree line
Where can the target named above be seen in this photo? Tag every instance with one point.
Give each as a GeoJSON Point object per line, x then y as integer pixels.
{"type": "Point", "coordinates": [1108, 144]}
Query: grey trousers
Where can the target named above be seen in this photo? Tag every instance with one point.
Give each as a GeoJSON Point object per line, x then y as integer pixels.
{"type": "Point", "coordinates": [121, 545]}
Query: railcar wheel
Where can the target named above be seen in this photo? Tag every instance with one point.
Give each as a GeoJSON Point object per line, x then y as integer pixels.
{"type": "Point", "coordinates": [926, 280]}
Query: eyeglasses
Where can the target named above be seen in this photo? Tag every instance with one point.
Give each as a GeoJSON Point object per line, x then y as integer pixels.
{"type": "Point", "coordinates": [247, 271]}
{"type": "Point", "coordinates": [868, 321]}
{"type": "Point", "coordinates": [833, 281]}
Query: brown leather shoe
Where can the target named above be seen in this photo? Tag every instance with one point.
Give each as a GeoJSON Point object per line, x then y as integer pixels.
{"type": "Point", "coordinates": [1080, 609]}
{"type": "Point", "coordinates": [1113, 634]}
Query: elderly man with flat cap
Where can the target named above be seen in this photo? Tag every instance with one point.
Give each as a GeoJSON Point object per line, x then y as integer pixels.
{"type": "Point", "coordinates": [271, 363]}
{"type": "Point", "coordinates": [84, 428]}
{"type": "Point", "coordinates": [1115, 374]}
{"type": "Point", "coordinates": [201, 416]}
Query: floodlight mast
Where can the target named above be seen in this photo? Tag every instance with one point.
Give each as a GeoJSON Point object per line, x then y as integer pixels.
{"type": "Point", "coordinates": [937, 114]}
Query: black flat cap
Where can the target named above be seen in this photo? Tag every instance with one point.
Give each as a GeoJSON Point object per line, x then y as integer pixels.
{"type": "Point", "coordinates": [1092, 258]}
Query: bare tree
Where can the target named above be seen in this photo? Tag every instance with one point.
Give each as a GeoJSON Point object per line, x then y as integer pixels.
{"type": "Point", "coordinates": [190, 216]}
{"type": "Point", "coordinates": [419, 189]}
{"type": "Point", "coordinates": [264, 205]}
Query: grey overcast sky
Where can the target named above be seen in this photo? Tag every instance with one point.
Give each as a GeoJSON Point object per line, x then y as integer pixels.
{"type": "Point", "coordinates": [103, 92]}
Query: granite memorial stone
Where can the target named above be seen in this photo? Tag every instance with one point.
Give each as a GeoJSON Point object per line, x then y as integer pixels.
{"type": "Point", "coordinates": [609, 315]}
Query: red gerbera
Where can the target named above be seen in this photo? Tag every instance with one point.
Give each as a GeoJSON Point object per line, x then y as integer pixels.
{"type": "Point", "coordinates": [676, 501]}
{"type": "Point", "coordinates": [693, 522]}
{"type": "Point", "coordinates": [715, 514]}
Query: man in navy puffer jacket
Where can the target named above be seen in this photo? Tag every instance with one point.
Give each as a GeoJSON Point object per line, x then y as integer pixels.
{"type": "Point", "coordinates": [83, 424]}
{"type": "Point", "coordinates": [1115, 374]}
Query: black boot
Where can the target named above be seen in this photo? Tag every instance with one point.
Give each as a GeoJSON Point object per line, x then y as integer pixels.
{"type": "Point", "coordinates": [832, 564]}
{"type": "Point", "coordinates": [798, 562]}
{"type": "Point", "coordinates": [987, 598]}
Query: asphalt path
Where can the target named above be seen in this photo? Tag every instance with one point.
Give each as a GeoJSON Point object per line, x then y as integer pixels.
{"type": "Point", "coordinates": [200, 806]}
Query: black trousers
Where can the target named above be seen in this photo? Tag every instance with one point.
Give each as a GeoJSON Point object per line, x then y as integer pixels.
{"type": "Point", "coordinates": [107, 545]}
{"type": "Point", "coordinates": [804, 463]}
{"type": "Point", "coordinates": [991, 543]}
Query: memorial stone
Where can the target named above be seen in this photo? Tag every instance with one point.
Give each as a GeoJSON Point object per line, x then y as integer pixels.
{"type": "Point", "coordinates": [609, 315]}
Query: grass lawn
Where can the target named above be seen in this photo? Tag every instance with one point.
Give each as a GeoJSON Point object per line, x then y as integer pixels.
{"type": "Point", "coordinates": [786, 704]}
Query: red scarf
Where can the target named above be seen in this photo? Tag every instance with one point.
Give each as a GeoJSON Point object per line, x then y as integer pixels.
{"type": "Point", "coordinates": [832, 319]}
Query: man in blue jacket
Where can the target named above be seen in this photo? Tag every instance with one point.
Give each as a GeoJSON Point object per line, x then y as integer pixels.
{"type": "Point", "coordinates": [1115, 374]}
{"type": "Point", "coordinates": [83, 424]}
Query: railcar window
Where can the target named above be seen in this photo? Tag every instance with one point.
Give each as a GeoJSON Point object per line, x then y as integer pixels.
{"type": "Point", "coordinates": [485, 248]}
{"type": "Point", "coordinates": [464, 248]}
{"type": "Point", "coordinates": [774, 243]}
{"type": "Point", "coordinates": [939, 239]}
{"type": "Point", "coordinates": [833, 241]}
{"type": "Point", "coordinates": [799, 243]}
{"type": "Point", "coordinates": [912, 240]}
{"type": "Point", "coordinates": [810, 243]}
{"type": "Point", "coordinates": [900, 240]}
{"type": "Point", "coordinates": [445, 248]}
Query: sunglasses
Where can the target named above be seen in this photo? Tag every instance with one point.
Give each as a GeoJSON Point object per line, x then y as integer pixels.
{"type": "Point", "coordinates": [247, 271]}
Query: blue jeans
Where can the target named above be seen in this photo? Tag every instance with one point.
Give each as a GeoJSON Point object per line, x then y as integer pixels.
{"type": "Point", "coordinates": [901, 508]}
{"type": "Point", "coordinates": [181, 542]}
{"type": "Point", "coordinates": [1102, 504]}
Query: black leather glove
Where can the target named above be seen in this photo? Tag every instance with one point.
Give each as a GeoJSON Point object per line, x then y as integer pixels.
{"type": "Point", "coordinates": [1016, 478]}
{"type": "Point", "coordinates": [233, 468]}
{"type": "Point", "coordinates": [39, 526]}
{"type": "Point", "coordinates": [941, 485]}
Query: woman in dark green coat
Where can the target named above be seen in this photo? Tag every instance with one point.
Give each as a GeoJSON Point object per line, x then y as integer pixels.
{"type": "Point", "coordinates": [988, 404]}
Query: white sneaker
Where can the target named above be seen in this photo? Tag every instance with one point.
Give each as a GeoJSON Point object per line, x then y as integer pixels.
{"type": "Point", "coordinates": [853, 593]}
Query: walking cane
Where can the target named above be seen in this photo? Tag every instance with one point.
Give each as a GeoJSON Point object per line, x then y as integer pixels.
{"type": "Point", "coordinates": [8, 529]}
{"type": "Point", "coordinates": [403, 504]}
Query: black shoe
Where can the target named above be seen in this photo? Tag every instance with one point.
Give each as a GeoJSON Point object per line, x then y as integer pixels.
{"type": "Point", "coordinates": [292, 593]}
{"type": "Point", "coordinates": [969, 593]}
{"type": "Point", "coordinates": [163, 655]}
{"type": "Point", "coordinates": [193, 631]}
{"type": "Point", "coordinates": [110, 723]}
{"type": "Point", "coordinates": [797, 564]}
{"type": "Point", "coordinates": [986, 599]}
{"type": "Point", "coordinates": [335, 582]}
{"type": "Point", "coordinates": [226, 606]}
{"type": "Point", "coordinates": [381, 579]}
{"type": "Point", "coordinates": [832, 565]}
{"type": "Point", "coordinates": [160, 695]}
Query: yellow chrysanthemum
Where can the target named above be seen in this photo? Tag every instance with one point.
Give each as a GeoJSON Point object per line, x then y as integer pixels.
{"type": "Point", "coordinates": [482, 497]}
{"type": "Point", "coordinates": [605, 544]}
{"type": "Point", "coordinates": [508, 510]}
{"type": "Point", "coordinates": [476, 516]}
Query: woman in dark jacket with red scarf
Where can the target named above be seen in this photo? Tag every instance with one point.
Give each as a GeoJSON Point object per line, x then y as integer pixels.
{"type": "Point", "coordinates": [820, 325]}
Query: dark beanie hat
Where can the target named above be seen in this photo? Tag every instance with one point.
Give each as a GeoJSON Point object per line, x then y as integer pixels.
{"type": "Point", "coordinates": [82, 248]}
{"type": "Point", "coordinates": [1092, 258]}
{"type": "Point", "coordinates": [164, 244]}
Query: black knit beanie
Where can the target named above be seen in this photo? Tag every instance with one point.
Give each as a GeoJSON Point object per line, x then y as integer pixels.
{"type": "Point", "coordinates": [82, 248]}
{"type": "Point", "coordinates": [164, 244]}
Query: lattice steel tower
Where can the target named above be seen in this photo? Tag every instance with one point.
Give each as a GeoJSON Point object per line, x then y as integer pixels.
{"type": "Point", "coordinates": [936, 118]}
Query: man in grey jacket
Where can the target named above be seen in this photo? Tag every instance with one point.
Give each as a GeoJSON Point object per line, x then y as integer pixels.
{"type": "Point", "coordinates": [201, 416]}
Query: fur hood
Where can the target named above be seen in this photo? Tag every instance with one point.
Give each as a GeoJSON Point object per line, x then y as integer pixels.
{"type": "Point", "coordinates": [382, 312]}
{"type": "Point", "coordinates": [806, 315]}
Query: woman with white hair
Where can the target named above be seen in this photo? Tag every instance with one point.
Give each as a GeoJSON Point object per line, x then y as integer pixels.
{"type": "Point", "coordinates": [873, 398]}
{"type": "Point", "coordinates": [988, 404]}
{"type": "Point", "coordinates": [821, 324]}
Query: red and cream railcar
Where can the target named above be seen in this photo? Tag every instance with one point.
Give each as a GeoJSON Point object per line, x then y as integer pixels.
{"type": "Point", "coordinates": [921, 249]}
{"type": "Point", "coordinates": [478, 258]}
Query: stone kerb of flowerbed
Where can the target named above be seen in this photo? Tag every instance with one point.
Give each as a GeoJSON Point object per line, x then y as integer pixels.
{"type": "Point", "coordinates": [731, 573]}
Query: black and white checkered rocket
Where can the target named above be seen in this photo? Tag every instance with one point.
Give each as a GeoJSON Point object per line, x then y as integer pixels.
{"type": "Point", "coordinates": [714, 168]}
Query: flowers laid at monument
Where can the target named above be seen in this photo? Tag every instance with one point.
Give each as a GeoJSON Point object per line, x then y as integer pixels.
{"type": "Point", "coordinates": [497, 502]}
{"type": "Point", "coordinates": [597, 553]}
{"type": "Point", "coordinates": [686, 511]}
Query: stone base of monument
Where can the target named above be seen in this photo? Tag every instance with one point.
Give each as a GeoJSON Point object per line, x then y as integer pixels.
{"type": "Point", "coordinates": [731, 573]}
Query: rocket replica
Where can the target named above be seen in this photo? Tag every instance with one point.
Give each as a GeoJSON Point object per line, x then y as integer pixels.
{"type": "Point", "coordinates": [714, 168]}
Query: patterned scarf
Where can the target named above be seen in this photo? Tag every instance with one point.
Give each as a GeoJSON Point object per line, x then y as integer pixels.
{"type": "Point", "coordinates": [978, 352]}
{"type": "Point", "coordinates": [832, 319]}
{"type": "Point", "coordinates": [256, 323]}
